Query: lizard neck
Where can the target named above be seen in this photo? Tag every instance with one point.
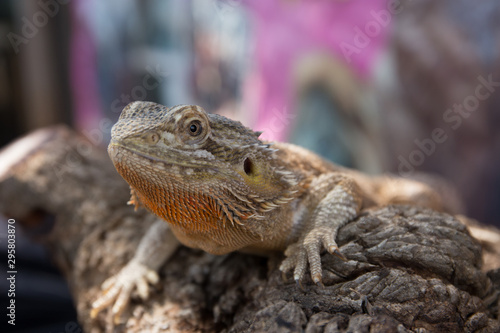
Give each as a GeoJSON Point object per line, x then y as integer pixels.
{"type": "Point", "coordinates": [197, 214]}
{"type": "Point", "coordinates": [196, 218]}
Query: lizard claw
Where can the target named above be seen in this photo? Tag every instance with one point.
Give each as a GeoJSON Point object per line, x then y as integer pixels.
{"type": "Point", "coordinates": [336, 252]}
{"type": "Point", "coordinates": [118, 289]}
{"type": "Point", "coordinates": [320, 284]}
{"type": "Point", "coordinates": [299, 284]}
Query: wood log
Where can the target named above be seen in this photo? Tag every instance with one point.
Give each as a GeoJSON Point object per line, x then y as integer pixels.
{"type": "Point", "coordinates": [409, 269]}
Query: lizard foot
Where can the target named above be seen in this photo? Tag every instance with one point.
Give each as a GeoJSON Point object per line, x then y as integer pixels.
{"type": "Point", "coordinates": [307, 251]}
{"type": "Point", "coordinates": [118, 288]}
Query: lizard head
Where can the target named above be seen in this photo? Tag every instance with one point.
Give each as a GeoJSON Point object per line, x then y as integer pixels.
{"type": "Point", "coordinates": [185, 149]}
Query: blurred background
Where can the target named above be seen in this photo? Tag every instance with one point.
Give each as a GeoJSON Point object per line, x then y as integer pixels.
{"type": "Point", "coordinates": [382, 86]}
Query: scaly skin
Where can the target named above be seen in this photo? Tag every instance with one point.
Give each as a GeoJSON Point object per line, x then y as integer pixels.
{"type": "Point", "coordinates": [221, 189]}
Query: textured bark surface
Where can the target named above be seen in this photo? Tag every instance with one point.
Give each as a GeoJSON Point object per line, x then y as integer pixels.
{"type": "Point", "coordinates": [409, 269]}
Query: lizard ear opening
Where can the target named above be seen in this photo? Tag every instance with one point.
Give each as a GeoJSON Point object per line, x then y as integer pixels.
{"type": "Point", "coordinates": [248, 166]}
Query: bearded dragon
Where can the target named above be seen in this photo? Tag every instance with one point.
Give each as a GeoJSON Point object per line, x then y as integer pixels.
{"type": "Point", "coordinates": [222, 189]}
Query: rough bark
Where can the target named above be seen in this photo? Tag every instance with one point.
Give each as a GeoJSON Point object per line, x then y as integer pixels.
{"type": "Point", "coordinates": [409, 269]}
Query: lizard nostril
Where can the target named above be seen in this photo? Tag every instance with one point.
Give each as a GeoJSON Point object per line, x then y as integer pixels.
{"type": "Point", "coordinates": [248, 166]}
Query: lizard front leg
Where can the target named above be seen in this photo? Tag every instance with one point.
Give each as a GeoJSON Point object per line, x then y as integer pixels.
{"type": "Point", "coordinates": [156, 246]}
{"type": "Point", "coordinates": [340, 202]}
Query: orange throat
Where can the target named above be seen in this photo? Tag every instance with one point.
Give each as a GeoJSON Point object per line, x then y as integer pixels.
{"type": "Point", "coordinates": [191, 210]}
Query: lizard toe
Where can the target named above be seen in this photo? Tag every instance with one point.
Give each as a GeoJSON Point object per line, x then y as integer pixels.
{"type": "Point", "coordinates": [104, 301]}
{"type": "Point", "coordinates": [290, 262]}
{"type": "Point", "coordinates": [287, 264]}
{"type": "Point", "coordinates": [314, 260]}
{"type": "Point", "coordinates": [328, 240]}
{"type": "Point", "coordinates": [121, 302]}
{"type": "Point", "coordinates": [143, 289]}
{"type": "Point", "coordinates": [301, 265]}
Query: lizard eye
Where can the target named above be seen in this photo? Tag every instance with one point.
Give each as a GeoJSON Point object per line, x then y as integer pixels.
{"type": "Point", "coordinates": [195, 128]}
{"type": "Point", "coordinates": [152, 138]}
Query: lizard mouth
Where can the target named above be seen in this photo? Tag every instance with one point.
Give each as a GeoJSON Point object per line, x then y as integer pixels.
{"type": "Point", "coordinates": [116, 149]}
{"type": "Point", "coordinates": [171, 159]}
